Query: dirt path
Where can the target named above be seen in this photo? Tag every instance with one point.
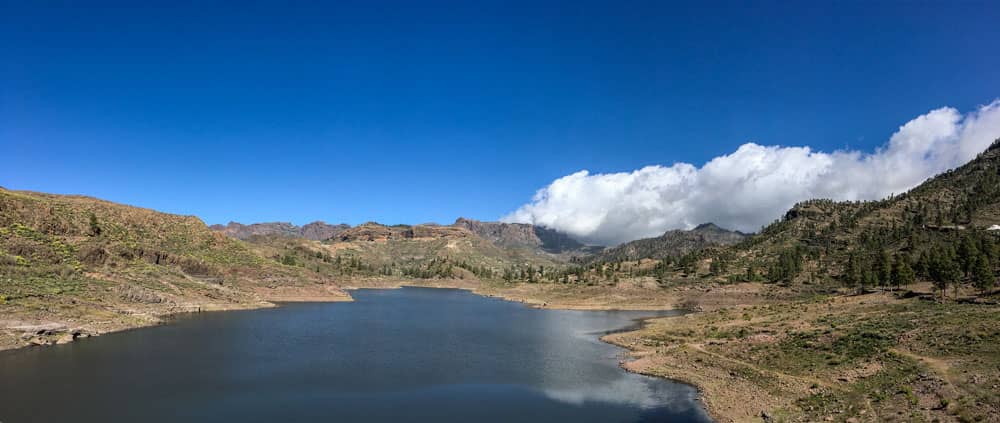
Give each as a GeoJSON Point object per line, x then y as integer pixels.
{"type": "Point", "coordinates": [937, 365]}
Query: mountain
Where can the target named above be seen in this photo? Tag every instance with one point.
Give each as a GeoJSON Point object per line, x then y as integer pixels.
{"type": "Point", "coordinates": [945, 219]}
{"type": "Point", "coordinates": [467, 249]}
{"type": "Point", "coordinates": [536, 239]}
{"type": "Point", "coordinates": [522, 235]}
{"type": "Point", "coordinates": [671, 244]}
{"type": "Point", "coordinates": [317, 231]}
{"type": "Point", "coordinates": [320, 231]}
{"type": "Point", "coordinates": [377, 232]}
{"type": "Point", "coordinates": [939, 231]}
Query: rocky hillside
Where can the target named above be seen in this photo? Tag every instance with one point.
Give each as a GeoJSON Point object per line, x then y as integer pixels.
{"type": "Point", "coordinates": [80, 262]}
{"type": "Point", "coordinates": [430, 251]}
{"type": "Point", "coordinates": [317, 231]}
{"type": "Point", "coordinates": [671, 244]}
{"type": "Point", "coordinates": [521, 235]}
{"type": "Point", "coordinates": [320, 231]}
{"type": "Point", "coordinates": [377, 232]}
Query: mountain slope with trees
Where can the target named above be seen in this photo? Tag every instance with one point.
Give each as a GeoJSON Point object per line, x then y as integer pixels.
{"type": "Point", "coordinates": [673, 243]}
{"type": "Point", "coordinates": [938, 231]}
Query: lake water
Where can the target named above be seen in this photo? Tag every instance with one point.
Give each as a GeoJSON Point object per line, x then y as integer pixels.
{"type": "Point", "coordinates": [404, 355]}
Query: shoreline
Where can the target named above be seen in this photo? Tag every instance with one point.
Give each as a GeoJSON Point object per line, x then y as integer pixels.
{"type": "Point", "coordinates": [634, 354]}
{"type": "Point", "coordinates": [53, 333]}
{"type": "Point", "coordinates": [608, 337]}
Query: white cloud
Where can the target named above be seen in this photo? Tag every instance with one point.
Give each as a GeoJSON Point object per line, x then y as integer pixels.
{"type": "Point", "coordinates": [642, 393]}
{"type": "Point", "coordinates": [755, 184]}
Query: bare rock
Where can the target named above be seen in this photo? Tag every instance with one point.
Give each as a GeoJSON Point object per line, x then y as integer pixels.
{"type": "Point", "coordinates": [41, 329]}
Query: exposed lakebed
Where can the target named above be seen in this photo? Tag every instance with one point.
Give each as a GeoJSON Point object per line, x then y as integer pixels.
{"type": "Point", "coordinates": [410, 354]}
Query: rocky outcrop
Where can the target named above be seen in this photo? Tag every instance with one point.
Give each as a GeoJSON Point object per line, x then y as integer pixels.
{"type": "Point", "coordinates": [320, 231]}
{"type": "Point", "coordinates": [439, 231]}
{"type": "Point", "coordinates": [502, 234]}
{"type": "Point", "coordinates": [42, 334]}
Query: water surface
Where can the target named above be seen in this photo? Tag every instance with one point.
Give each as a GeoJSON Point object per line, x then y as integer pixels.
{"type": "Point", "coordinates": [405, 355]}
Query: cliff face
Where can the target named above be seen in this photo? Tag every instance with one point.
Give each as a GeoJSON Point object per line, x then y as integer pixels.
{"type": "Point", "coordinates": [502, 234]}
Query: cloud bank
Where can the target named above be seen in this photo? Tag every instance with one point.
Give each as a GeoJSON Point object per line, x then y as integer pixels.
{"type": "Point", "coordinates": [755, 184]}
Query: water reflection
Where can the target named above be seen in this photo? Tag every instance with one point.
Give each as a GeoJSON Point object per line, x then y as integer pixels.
{"type": "Point", "coordinates": [393, 355]}
{"type": "Point", "coordinates": [644, 395]}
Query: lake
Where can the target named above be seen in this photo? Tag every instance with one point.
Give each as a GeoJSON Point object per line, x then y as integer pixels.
{"type": "Point", "coordinates": [399, 355]}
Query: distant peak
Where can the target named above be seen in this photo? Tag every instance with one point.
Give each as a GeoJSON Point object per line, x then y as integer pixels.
{"type": "Point", "coordinates": [707, 225]}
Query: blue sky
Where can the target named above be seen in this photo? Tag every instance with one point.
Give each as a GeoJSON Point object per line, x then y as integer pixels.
{"type": "Point", "coordinates": [425, 111]}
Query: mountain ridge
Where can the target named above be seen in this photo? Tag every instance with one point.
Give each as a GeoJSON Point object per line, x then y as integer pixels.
{"type": "Point", "coordinates": [525, 235]}
{"type": "Point", "coordinates": [672, 243]}
{"type": "Point", "coordinates": [504, 235]}
{"type": "Point", "coordinates": [317, 230]}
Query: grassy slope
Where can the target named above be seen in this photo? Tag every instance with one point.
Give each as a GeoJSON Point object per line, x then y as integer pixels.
{"type": "Point", "coordinates": [130, 268]}
{"type": "Point", "coordinates": [354, 262]}
{"type": "Point", "coordinates": [873, 357]}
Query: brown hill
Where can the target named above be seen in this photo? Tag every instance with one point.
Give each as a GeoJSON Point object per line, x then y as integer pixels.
{"type": "Point", "coordinates": [377, 232]}
{"type": "Point", "coordinates": [80, 261]}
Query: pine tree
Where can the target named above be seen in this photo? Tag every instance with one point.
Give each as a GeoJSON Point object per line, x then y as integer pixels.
{"type": "Point", "coordinates": [902, 274]}
{"type": "Point", "coordinates": [922, 266]}
{"type": "Point", "coordinates": [944, 271]}
{"type": "Point", "coordinates": [751, 273]}
{"type": "Point", "coordinates": [852, 275]}
{"type": "Point", "coordinates": [982, 274]}
{"type": "Point", "coordinates": [967, 255]}
{"type": "Point", "coordinates": [884, 268]}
